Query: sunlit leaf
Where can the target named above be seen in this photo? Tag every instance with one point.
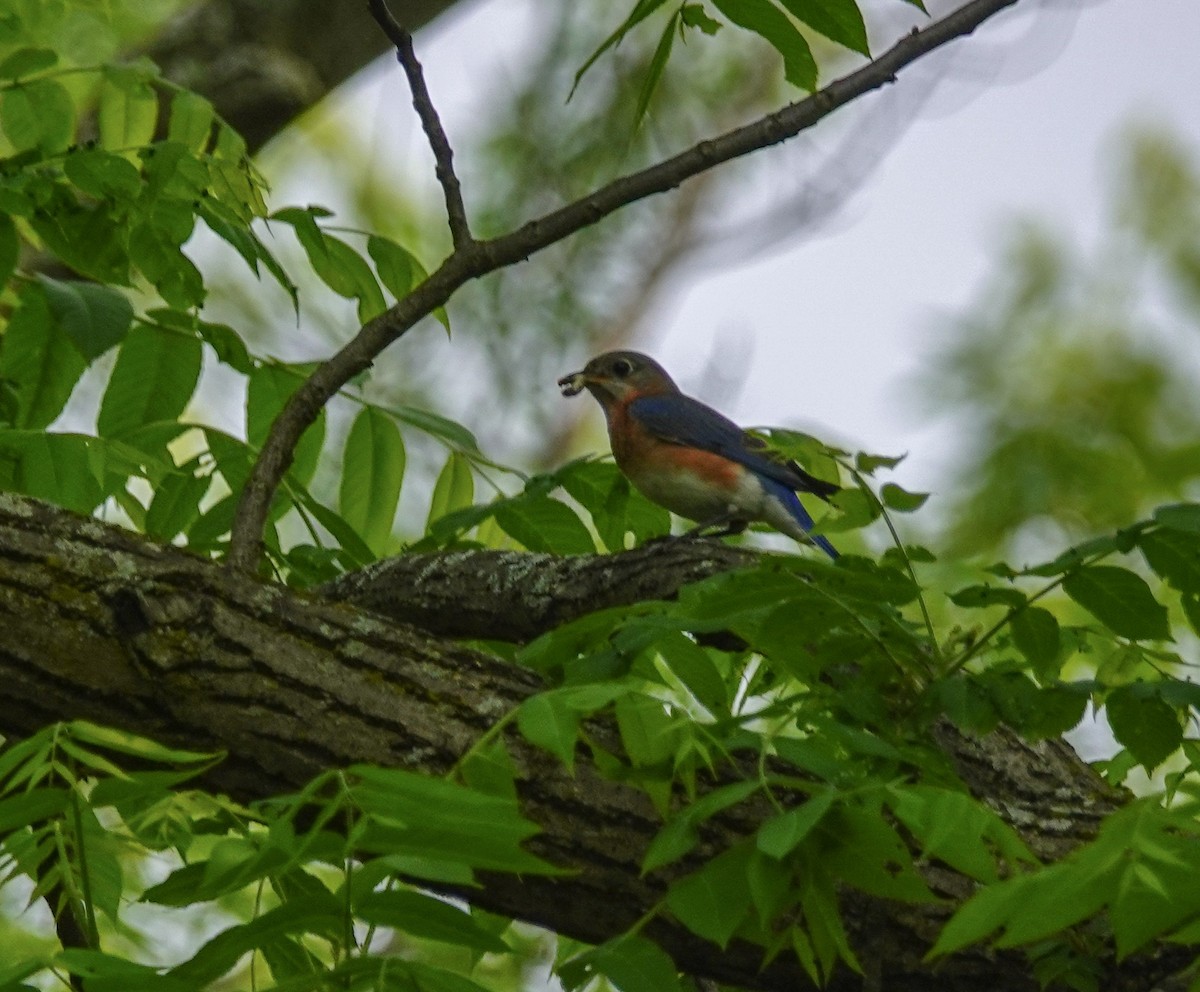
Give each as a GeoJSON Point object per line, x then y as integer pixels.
{"type": "Point", "coordinates": [154, 378]}
{"type": "Point", "coordinates": [540, 523]}
{"type": "Point", "coordinates": [454, 489]}
{"type": "Point", "coordinates": [372, 471]}
{"type": "Point", "coordinates": [39, 114]}
{"type": "Point", "coordinates": [128, 111]}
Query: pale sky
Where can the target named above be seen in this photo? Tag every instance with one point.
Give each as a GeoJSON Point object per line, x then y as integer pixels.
{"type": "Point", "coordinates": [1024, 116]}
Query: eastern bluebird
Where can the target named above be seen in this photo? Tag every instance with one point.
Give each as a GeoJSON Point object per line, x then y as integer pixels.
{"type": "Point", "coordinates": [686, 457]}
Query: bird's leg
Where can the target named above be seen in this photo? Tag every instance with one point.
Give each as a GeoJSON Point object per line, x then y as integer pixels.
{"type": "Point", "coordinates": [726, 524]}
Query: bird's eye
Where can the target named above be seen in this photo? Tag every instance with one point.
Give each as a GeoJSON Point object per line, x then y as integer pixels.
{"type": "Point", "coordinates": [621, 368]}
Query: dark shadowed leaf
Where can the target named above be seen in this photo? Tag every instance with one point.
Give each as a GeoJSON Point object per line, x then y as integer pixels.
{"type": "Point", "coordinates": [1120, 600]}
{"type": "Point", "coordinates": [1174, 555]}
{"type": "Point", "coordinates": [1035, 632]}
{"type": "Point", "coordinates": [1142, 722]}
{"type": "Point", "coordinates": [838, 20]}
{"type": "Point", "coordinates": [765, 19]}
{"type": "Point", "coordinates": [95, 317]}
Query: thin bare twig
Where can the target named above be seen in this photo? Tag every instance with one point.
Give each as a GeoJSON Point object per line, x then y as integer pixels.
{"type": "Point", "coordinates": [478, 258]}
{"type": "Point", "coordinates": [443, 155]}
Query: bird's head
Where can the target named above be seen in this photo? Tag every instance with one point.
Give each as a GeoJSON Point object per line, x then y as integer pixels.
{"type": "Point", "coordinates": [618, 376]}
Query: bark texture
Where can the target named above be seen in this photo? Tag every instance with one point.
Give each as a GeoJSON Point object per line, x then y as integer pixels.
{"type": "Point", "coordinates": [101, 624]}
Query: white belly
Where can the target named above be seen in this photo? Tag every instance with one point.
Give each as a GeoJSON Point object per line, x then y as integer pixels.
{"type": "Point", "coordinates": [695, 498]}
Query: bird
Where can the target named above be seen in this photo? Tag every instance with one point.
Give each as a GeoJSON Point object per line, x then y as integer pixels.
{"type": "Point", "coordinates": [690, 459]}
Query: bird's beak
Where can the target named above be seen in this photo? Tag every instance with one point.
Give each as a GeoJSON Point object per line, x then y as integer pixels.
{"type": "Point", "coordinates": [573, 384]}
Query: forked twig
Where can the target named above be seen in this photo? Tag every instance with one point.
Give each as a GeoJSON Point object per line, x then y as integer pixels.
{"type": "Point", "coordinates": [473, 259]}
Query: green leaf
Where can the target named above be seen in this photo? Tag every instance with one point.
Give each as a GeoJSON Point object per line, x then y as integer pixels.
{"type": "Point", "coordinates": [895, 498]}
{"type": "Point", "coordinates": [104, 175]}
{"type": "Point", "coordinates": [372, 471]}
{"type": "Point", "coordinates": [630, 963]}
{"type": "Point", "coordinates": [658, 63]}
{"type": "Point", "coordinates": [10, 249]}
{"type": "Point", "coordinates": [547, 721]}
{"type": "Point", "coordinates": [1056, 709]}
{"type": "Point", "coordinates": [423, 916]}
{"type": "Point", "coordinates": [646, 731]}
{"type": "Point", "coordinates": [1073, 557]}
{"type": "Point", "coordinates": [1120, 600]}
{"type": "Point", "coordinates": [1179, 516]}
{"type": "Point", "coordinates": [38, 357]}
{"type": "Point", "coordinates": [858, 509]}
{"type": "Point", "coordinates": [780, 835]}
{"type": "Point", "coordinates": [765, 19]}
{"type": "Point", "coordinates": [231, 228]}
{"type": "Point", "coordinates": [175, 504]}
{"type": "Point", "coordinates": [338, 265]}
{"type": "Point", "coordinates": [957, 829]}
{"type": "Point", "coordinates": [53, 467]}
{"type": "Point", "coordinates": [135, 746]}
{"type": "Point", "coordinates": [695, 16]}
{"type": "Point", "coordinates": [269, 389]}
{"type": "Point", "coordinates": [40, 114]}
{"type": "Point", "coordinates": [543, 524]}
{"type": "Point", "coordinates": [1036, 635]}
{"type": "Point", "coordinates": [694, 667]}
{"type": "Point", "coordinates": [641, 10]}
{"type": "Point", "coordinates": [398, 268]}
{"type": "Point", "coordinates": [95, 317]}
{"type": "Point", "coordinates": [1143, 723]}
{"type": "Point", "coordinates": [983, 914]}
{"type": "Point", "coordinates": [154, 378]}
{"type": "Point", "coordinates": [450, 431]}
{"type": "Point", "coordinates": [222, 952]}
{"type": "Point", "coordinates": [714, 901]}
{"type": "Point", "coordinates": [869, 854]}
{"type": "Point", "coordinates": [981, 597]}
{"type": "Point", "coordinates": [867, 464]}
{"type": "Point", "coordinates": [1191, 609]}
{"type": "Point", "coordinates": [837, 20]}
{"type": "Point", "coordinates": [681, 833]}
{"type": "Point", "coordinates": [1174, 555]}
{"type": "Point", "coordinates": [191, 121]}
{"type": "Point", "coordinates": [27, 61]}
{"type": "Point", "coordinates": [418, 816]}
{"type": "Point", "coordinates": [31, 806]}
{"type": "Point", "coordinates": [454, 489]}
{"type": "Point", "coordinates": [128, 112]}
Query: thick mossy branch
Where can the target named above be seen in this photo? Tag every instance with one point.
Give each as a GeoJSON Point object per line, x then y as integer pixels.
{"type": "Point", "coordinates": [101, 624]}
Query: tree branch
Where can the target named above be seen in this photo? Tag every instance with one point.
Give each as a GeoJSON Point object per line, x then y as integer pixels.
{"type": "Point", "coordinates": [455, 594]}
{"type": "Point", "coordinates": [98, 623]}
{"type": "Point", "coordinates": [481, 257]}
{"type": "Point", "coordinates": [443, 155]}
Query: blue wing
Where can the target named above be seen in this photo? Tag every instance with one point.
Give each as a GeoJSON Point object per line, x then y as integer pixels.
{"type": "Point", "coordinates": [680, 419]}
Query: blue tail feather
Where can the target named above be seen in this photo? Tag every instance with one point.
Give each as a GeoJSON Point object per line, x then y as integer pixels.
{"type": "Point", "coordinates": [802, 517]}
